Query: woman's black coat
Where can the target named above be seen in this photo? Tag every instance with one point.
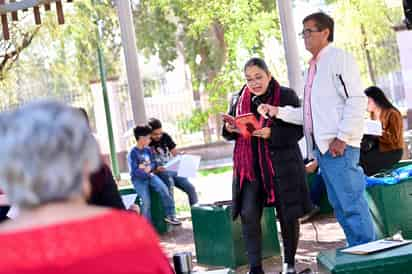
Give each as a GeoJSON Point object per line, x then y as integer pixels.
{"type": "Point", "coordinates": [291, 190]}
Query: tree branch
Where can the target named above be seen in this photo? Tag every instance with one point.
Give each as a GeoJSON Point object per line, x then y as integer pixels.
{"type": "Point", "coordinates": [10, 58]}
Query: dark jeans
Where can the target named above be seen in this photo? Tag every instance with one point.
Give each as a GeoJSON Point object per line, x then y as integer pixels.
{"type": "Point", "coordinates": [251, 213]}
{"type": "Point", "coordinates": [374, 161]}
{"type": "Point", "coordinates": [142, 189]}
{"type": "Point", "coordinates": [170, 178]}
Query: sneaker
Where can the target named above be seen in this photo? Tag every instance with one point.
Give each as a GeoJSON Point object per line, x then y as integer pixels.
{"type": "Point", "coordinates": [172, 220]}
{"type": "Point", "coordinates": [310, 215]}
{"type": "Point", "coordinates": [288, 269]}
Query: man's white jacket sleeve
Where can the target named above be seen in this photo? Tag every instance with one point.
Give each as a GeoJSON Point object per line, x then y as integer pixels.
{"type": "Point", "coordinates": [354, 110]}
{"type": "Point", "coordinates": [291, 114]}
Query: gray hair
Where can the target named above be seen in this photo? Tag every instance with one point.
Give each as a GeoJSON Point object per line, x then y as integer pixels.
{"type": "Point", "coordinates": [44, 149]}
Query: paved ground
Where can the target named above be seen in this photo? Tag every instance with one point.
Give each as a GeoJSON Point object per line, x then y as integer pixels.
{"type": "Point", "coordinates": [322, 234]}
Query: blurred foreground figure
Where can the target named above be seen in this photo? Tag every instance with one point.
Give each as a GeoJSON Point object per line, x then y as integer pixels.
{"type": "Point", "coordinates": [46, 157]}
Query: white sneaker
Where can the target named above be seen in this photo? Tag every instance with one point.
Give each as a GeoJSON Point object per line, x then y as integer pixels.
{"type": "Point", "coordinates": [172, 220]}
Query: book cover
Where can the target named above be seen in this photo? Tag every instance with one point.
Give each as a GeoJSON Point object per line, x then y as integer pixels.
{"type": "Point", "coordinates": [228, 119]}
{"type": "Point", "coordinates": [247, 124]}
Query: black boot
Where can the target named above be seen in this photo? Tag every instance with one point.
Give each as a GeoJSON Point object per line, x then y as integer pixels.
{"type": "Point", "coordinates": [256, 270]}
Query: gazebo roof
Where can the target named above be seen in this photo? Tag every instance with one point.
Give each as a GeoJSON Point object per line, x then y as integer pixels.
{"type": "Point", "coordinates": [14, 6]}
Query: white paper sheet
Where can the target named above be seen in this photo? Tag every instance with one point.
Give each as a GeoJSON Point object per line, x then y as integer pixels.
{"type": "Point", "coordinates": [375, 246]}
{"type": "Point", "coordinates": [189, 164]}
{"type": "Point", "coordinates": [373, 127]}
{"type": "Point", "coordinates": [185, 165]}
{"type": "Point", "coordinates": [173, 164]}
{"type": "Point", "coordinates": [13, 212]}
{"type": "Point", "coordinates": [128, 200]}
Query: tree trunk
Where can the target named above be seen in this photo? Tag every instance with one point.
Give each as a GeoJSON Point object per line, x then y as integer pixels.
{"type": "Point", "coordinates": [218, 35]}
{"type": "Point", "coordinates": [368, 55]}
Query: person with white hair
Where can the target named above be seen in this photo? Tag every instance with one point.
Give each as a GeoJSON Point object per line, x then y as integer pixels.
{"type": "Point", "coordinates": [47, 153]}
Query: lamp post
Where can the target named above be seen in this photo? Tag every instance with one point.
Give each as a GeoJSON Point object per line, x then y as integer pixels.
{"type": "Point", "coordinates": [102, 71]}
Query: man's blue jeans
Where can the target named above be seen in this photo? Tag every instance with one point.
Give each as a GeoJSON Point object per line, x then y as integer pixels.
{"type": "Point", "coordinates": [345, 185]}
{"type": "Point", "coordinates": [155, 183]}
{"type": "Point", "coordinates": [182, 183]}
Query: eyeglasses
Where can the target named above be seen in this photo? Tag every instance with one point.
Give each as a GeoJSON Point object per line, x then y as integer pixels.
{"type": "Point", "coordinates": [254, 81]}
{"type": "Point", "coordinates": [308, 32]}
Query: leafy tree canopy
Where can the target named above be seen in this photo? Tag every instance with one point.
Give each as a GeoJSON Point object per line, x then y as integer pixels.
{"type": "Point", "coordinates": [365, 27]}
{"type": "Point", "coordinates": [211, 35]}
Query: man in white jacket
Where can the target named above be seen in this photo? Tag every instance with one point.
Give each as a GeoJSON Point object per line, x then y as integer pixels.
{"type": "Point", "coordinates": [332, 114]}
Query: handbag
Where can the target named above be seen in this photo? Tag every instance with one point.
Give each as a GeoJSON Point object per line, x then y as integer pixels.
{"type": "Point", "coordinates": [369, 142]}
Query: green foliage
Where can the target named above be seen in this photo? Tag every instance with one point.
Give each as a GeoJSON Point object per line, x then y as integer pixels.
{"type": "Point", "coordinates": [222, 87]}
{"type": "Point", "coordinates": [364, 27]}
{"type": "Point", "coordinates": [155, 33]}
{"type": "Point", "coordinates": [81, 31]}
{"type": "Point", "coordinates": [213, 171]}
{"type": "Point", "coordinates": [21, 36]}
{"type": "Point", "coordinates": [194, 122]}
{"type": "Point", "coordinates": [62, 59]}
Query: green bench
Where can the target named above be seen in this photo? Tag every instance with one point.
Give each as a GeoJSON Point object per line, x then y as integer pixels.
{"type": "Point", "coordinates": [390, 206]}
{"type": "Point", "coordinates": [375, 193]}
{"type": "Point", "coordinates": [156, 209]}
{"type": "Point", "coordinates": [393, 261]}
{"type": "Point", "coordinates": [219, 240]}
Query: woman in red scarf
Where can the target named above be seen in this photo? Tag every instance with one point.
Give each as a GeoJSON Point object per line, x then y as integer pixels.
{"type": "Point", "coordinates": [268, 166]}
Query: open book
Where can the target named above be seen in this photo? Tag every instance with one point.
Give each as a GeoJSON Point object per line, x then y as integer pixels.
{"type": "Point", "coordinates": [246, 123]}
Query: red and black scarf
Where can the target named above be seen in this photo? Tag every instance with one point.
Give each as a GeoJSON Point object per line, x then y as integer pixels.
{"type": "Point", "coordinates": [243, 156]}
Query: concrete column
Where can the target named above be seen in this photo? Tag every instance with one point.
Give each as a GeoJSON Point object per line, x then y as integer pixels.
{"type": "Point", "coordinates": [124, 11]}
{"type": "Point", "coordinates": [290, 44]}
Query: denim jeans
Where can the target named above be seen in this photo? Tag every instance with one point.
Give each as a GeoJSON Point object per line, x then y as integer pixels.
{"type": "Point", "coordinates": [155, 183]}
{"type": "Point", "coordinates": [345, 185]}
{"type": "Point", "coordinates": [182, 183]}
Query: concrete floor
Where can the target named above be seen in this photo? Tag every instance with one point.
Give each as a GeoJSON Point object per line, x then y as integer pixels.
{"type": "Point", "coordinates": [322, 234]}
